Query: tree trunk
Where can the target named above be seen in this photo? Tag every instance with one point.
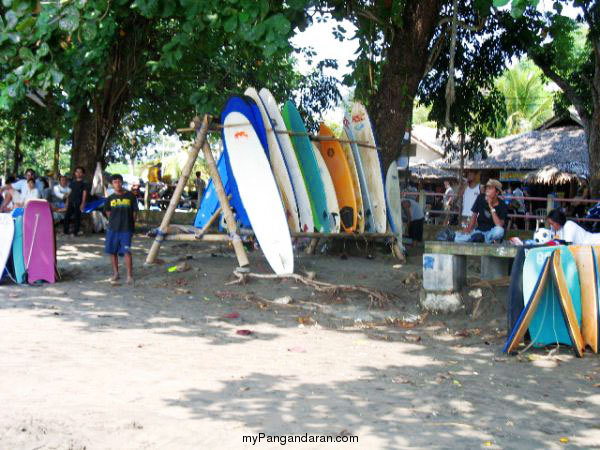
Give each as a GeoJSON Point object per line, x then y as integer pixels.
{"type": "Point", "coordinates": [17, 155]}
{"type": "Point", "coordinates": [56, 160]}
{"type": "Point", "coordinates": [402, 72]}
{"type": "Point", "coordinates": [96, 123]}
{"type": "Point", "coordinates": [593, 142]}
{"type": "Point", "coordinates": [85, 151]}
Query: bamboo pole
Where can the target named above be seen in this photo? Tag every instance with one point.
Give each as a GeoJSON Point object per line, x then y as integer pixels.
{"type": "Point", "coordinates": [238, 246]}
{"type": "Point", "coordinates": [185, 175]}
{"type": "Point", "coordinates": [312, 137]}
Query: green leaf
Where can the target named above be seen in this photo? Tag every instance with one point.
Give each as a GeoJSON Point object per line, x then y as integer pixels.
{"type": "Point", "coordinates": [7, 3]}
{"type": "Point", "coordinates": [56, 76]}
{"type": "Point", "coordinates": [43, 50]}
{"type": "Point", "coordinates": [25, 53]}
{"type": "Point", "coordinates": [500, 3]}
{"type": "Point", "coordinates": [230, 24]}
{"type": "Point", "coordinates": [11, 19]}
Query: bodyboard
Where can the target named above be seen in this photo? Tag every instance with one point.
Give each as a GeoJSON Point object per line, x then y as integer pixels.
{"type": "Point", "coordinates": [570, 296]}
{"type": "Point", "coordinates": [7, 229]}
{"type": "Point", "coordinates": [38, 242]}
{"type": "Point", "coordinates": [586, 260]}
{"type": "Point", "coordinates": [524, 320]}
{"type": "Point", "coordinates": [18, 262]}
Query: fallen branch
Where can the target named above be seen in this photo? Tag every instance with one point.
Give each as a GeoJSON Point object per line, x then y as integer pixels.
{"type": "Point", "coordinates": [376, 297]}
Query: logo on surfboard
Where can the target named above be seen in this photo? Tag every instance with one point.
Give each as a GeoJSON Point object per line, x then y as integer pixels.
{"type": "Point", "coordinates": [241, 134]}
{"type": "Point", "coordinates": [358, 117]}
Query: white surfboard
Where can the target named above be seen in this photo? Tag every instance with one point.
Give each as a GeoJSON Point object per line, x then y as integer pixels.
{"type": "Point", "coordinates": [301, 194]}
{"type": "Point", "coordinates": [363, 132]}
{"type": "Point", "coordinates": [332, 203]}
{"type": "Point", "coordinates": [360, 214]}
{"type": "Point", "coordinates": [97, 181]}
{"type": "Point", "coordinates": [259, 192]}
{"type": "Point", "coordinates": [368, 224]}
{"type": "Point", "coordinates": [7, 231]}
{"type": "Point", "coordinates": [280, 171]}
{"type": "Point", "coordinates": [392, 196]}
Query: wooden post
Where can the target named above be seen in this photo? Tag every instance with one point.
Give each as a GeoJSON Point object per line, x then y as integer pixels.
{"type": "Point", "coordinates": [238, 246]}
{"type": "Point", "coordinates": [202, 130]}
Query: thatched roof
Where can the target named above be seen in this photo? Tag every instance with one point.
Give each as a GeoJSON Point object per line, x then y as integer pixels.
{"type": "Point", "coordinates": [426, 171]}
{"type": "Point", "coordinates": [550, 175]}
{"type": "Point", "coordinates": [562, 148]}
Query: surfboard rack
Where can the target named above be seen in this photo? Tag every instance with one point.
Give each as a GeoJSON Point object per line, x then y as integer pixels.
{"type": "Point", "coordinates": [202, 127]}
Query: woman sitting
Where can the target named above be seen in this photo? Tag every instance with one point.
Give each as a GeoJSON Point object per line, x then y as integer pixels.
{"type": "Point", "coordinates": [12, 198]}
{"type": "Point", "coordinates": [569, 231]}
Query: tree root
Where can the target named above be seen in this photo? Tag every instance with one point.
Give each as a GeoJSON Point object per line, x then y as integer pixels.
{"type": "Point", "coordinates": [377, 298]}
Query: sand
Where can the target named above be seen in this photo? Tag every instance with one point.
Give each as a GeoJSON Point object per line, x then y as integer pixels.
{"type": "Point", "coordinates": [84, 364]}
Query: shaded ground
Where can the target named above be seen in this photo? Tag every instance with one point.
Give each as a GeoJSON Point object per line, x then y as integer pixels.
{"type": "Point", "coordinates": [90, 365]}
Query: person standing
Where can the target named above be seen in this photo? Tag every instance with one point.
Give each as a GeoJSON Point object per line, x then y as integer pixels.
{"type": "Point", "coordinates": [448, 201]}
{"type": "Point", "coordinates": [199, 185]}
{"type": "Point", "coordinates": [121, 208]}
{"type": "Point", "coordinates": [76, 200]}
{"type": "Point", "coordinates": [469, 193]}
{"type": "Point", "coordinates": [414, 218]}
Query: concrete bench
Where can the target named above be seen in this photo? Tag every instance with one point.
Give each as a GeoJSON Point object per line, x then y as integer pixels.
{"type": "Point", "coordinates": [445, 269]}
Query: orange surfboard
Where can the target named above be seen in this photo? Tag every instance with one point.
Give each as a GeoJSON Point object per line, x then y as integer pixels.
{"type": "Point", "coordinates": [339, 169]}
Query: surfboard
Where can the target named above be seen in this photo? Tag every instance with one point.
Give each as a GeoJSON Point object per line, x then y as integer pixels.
{"type": "Point", "coordinates": [332, 203]}
{"type": "Point", "coordinates": [360, 216]}
{"type": "Point", "coordinates": [548, 324]}
{"type": "Point", "coordinates": [7, 230]}
{"type": "Point", "coordinates": [308, 166]}
{"type": "Point", "coordinates": [586, 261]}
{"type": "Point", "coordinates": [392, 197]}
{"type": "Point", "coordinates": [38, 242]}
{"type": "Point", "coordinates": [305, 216]}
{"type": "Point", "coordinates": [563, 265]}
{"type": "Point", "coordinates": [339, 170]}
{"type": "Point", "coordinates": [363, 132]}
{"type": "Point", "coordinates": [210, 200]}
{"type": "Point", "coordinates": [97, 182]}
{"type": "Point", "coordinates": [532, 303]}
{"type": "Point", "coordinates": [278, 165]}
{"type": "Point", "coordinates": [257, 186]}
{"type": "Point", "coordinates": [18, 263]}
{"type": "Point", "coordinates": [364, 187]}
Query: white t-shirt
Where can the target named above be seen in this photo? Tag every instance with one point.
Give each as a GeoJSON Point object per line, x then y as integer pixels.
{"type": "Point", "coordinates": [21, 185]}
{"type": "Point", "coordinates": [571, 232]}
{"type": "Point", "coordinates": [60, 192]}
{"type": "Point", "coordinates": [448, 196]}
{"type": "Point", "coordinates": [28, 194]}
{"type": "Point", "coordinates": [469, 196]}
{"type": "Point", "coordinates": [416, 212]}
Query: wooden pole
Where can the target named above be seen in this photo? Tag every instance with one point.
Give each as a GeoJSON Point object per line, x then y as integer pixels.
{"type": "Point", "coordinates": [238, 246]}
{"type": "Point", "coordinates": [202, 130]}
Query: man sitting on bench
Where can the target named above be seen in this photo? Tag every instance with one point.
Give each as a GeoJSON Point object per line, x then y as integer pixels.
{"type": "Point", "coordinates": [489, 213]}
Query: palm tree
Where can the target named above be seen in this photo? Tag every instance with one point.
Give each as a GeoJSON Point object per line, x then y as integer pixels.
{"type": "Point", "coordinates": [529, 103]}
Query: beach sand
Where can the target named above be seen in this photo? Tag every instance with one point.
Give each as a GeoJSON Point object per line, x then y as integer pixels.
{"type": "Point", "coordinates": [84, 364]}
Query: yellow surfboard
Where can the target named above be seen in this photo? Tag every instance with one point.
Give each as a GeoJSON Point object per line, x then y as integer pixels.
{"type": "Point", "coordinates": [586, 260]}
{"type": "Point", "coordinates": [338, 167]}
{"type": "Point", "coordinates": [566, 304]}
{"type": "Point", "coordinates": [360, 216]}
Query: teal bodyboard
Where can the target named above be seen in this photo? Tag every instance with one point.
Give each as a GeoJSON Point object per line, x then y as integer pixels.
{"type": "Point", "coordinates": [548, 325]}
{"type": "Point", "coordinates": [18, 262]}
{"type": "Point", "coordinates": [308, 166]}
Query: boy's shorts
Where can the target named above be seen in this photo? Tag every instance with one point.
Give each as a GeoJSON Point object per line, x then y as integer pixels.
{"type": "Point", "coordinates": [118, 242]}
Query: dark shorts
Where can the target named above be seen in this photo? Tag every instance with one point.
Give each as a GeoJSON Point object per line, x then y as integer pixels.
{"type": "Point", "coordinates": [415, 230]}
{"type": "Point", "coordinates": [118, 242]}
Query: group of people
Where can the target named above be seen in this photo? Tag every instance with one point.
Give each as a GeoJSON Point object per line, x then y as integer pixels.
{"type": "Point", "coordinates": [67, 198]}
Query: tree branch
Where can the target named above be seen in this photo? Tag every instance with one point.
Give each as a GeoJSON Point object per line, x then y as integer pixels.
{"type": "Point", "coordinates": [436, 50]}
{"type": "Point", "coordinates": [569, 90]}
